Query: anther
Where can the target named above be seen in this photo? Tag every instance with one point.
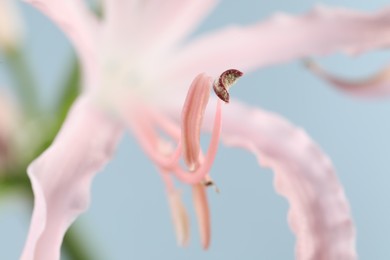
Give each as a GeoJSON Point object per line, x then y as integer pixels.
{"type": "Point", "coordinates": [224, 82]}
{"type": "Point", "coordinates": [210, 183]}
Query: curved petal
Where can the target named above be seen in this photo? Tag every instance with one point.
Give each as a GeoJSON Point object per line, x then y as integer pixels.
{"type": "Point", "coordinates": [284, 37]}
{"type": "Point", "coordinates": [62, 175]}
{"type": "Point", "coordinates": [377, 85]}
{"type": "Point", "coordinates": [319, 213]}
{"type": "Point", "coordinates": [79, 25]}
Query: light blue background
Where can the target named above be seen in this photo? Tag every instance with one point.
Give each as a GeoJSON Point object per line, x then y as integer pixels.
{"type": "Point", "coordinates": [129, 216]}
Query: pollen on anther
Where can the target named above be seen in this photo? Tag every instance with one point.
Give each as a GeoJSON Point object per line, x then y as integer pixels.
{"type": "Point", "coordinates": [224, 82]}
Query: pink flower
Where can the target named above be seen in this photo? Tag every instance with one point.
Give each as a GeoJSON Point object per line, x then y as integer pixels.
{"type": "Point", "coordinates": [136, 69]}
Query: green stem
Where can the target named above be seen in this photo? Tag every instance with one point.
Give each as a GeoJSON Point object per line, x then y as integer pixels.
{"type": "Point", "coordinates": [9, 185]}
{"type": "Point", "coordinates": [74, 245]}
{"type": "Point", "coordinates": [69, 91]}
{"type": "Point", "coordinates": [24, 81]}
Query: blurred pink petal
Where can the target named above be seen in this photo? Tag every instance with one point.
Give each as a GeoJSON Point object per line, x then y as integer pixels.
{"type": "Point", "coordinates": [285, 37]}
{"type": "Point", "coordinates": [377, 85]}
{"type": "Point", "coordinates": [319, 213]}
{"type": "Point", "coordinates": [167, 22]}
{"type": "Point", "coordinates": [61, 177]}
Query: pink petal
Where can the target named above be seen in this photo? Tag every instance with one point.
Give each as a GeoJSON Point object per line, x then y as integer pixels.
{"type": "Point", "coordinates": [165, 22]}
{"type": "Point", "coordinates": [284, 37]}
{"type": "Point", "coordinates": [170, 21]}
{"type": "Point", "coordinates": [319, 213]}
{"type": "Point", "coordinates": [120, 17]}
{"type": "Point", "coordinates": [377, 85]}
{"type": "Point", "coordinates": [79, 24]}
{"type": "Point", "coordinates": [61, 177]}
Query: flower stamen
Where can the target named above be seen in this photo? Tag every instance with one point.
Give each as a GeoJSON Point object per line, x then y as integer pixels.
{"type": "Point", "coordinates": [226, 81]}
{"type": "Point", "coordinates": [202, 213]}
{"type": "Point", "coordinates": [210, 183]}
{"type": "Point", "coordinates": [192, 117]}
{"type": "Point", "coordinates": [200, 173]}
{"type": "Point", "coordinates": [188, 144]}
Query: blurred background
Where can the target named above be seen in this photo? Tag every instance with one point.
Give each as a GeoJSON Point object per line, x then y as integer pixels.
{"type": "Point", "coordinates": [129, 216]}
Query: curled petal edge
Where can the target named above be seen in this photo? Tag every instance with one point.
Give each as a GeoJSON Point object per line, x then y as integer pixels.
{"type": "Point", "coordinates": [322, 31]}
{"type": "Point", "coordinates": [319, 213]}
{"type": "Point", "coordinates": [61, 177]}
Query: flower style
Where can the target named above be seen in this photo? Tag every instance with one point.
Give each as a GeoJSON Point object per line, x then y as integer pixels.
{"type": "Point", "coordinates": [136, 65]}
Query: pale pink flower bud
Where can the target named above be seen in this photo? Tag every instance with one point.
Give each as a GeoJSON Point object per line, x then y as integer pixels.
{"type": "Point", "coordinates": [9, 120]}
{"type": "Point", "coordinates": [11, 29]}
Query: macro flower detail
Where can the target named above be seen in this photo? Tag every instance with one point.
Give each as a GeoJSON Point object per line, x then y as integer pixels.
{"type": "Point", "coordinates": [225, 81]}
{"type": "Point", "coordinates": [136, 66]}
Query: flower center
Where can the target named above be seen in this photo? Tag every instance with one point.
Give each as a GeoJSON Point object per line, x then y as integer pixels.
{"type": "Point", "coordinates": [188, 136]}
